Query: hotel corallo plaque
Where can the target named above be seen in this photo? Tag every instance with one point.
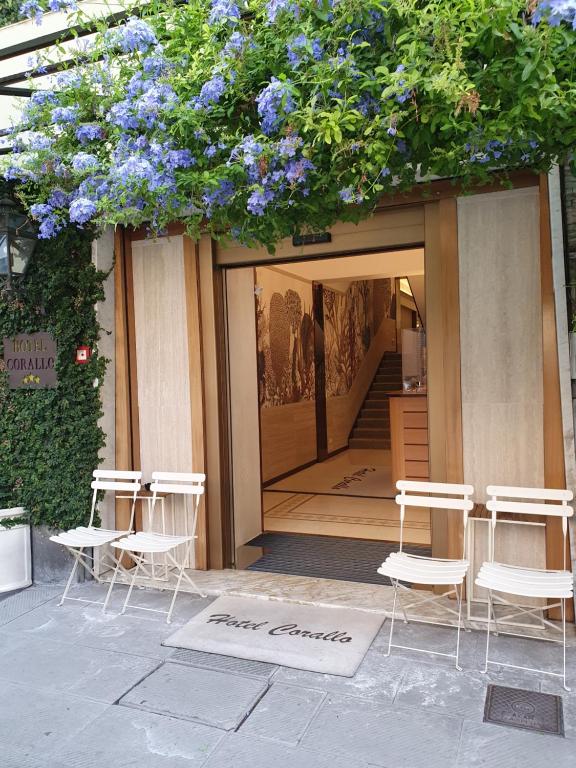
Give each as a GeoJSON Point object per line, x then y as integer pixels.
{"type": "Point", "coordinates": [30, 360]}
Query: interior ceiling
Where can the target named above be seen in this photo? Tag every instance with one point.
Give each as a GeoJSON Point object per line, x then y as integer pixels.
{"type": "Point", "coordinates": [364, 266]}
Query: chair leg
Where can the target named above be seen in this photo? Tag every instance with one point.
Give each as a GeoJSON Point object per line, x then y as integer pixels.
{"type": "Point", "coordinates": [111, 587]}
{"type": "Point", "coordinates": [133, 581]}
{"type": "Point", "coordinates": [177, 587]}
{"type": "Point", "coordinates": [77, 556]}
{"type": "Point", "coordinates": [459, 598]}
{"type": "Point", "coordinates": [392, 619]}
{"type": "Point", "coordinates": [563, 604]}
{"type": "Point", "coordinates": [485, 670]}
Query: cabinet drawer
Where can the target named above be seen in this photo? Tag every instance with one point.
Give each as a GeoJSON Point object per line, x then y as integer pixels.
{"type": "Point", "coordinates": [415, 404]}
{"type": "Point", "coordinates": [416, 420]}
{"type": "Point", "coordinates": [416, 469]}
{"type": "Point", "coordinates": [416, 452]}
{"type": "Point", "coordinates": [415, 437]}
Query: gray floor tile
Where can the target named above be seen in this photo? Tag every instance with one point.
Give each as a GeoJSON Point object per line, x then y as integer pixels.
{"type": "Point", "coordinates": [202, 695]}
{"type": "Point", "coordinates": [26, 600]}
{"type": "Point", "coordinates": [11, 757]}
{"type": "Point", "coordinates": [36, 722]}
{"type": "Point", "coordinates": [494, 746]}
{"type": "Point", "coordinates": [463, 694]}
{"type": "Point", "coordinates": [87, 672]}
{"type": "Point", "coordinates": [238, 751]}
{"type": "Point", "coordinates": [384, 736]}
{"type": "Point", "coordinates": [187, 604]}
{"type": "Point", "coordinates": [526, 652]}
{"type": "Point", "coordinates": [283, 714]}
{"type": "Point", "coordinates": [86, 625]}
{"type": "Point", "coordinates": [377, 678]}
{"type": "Point", "coordinates": [441, 639]}
{"type": "Point", "coordinates": [127, 738]}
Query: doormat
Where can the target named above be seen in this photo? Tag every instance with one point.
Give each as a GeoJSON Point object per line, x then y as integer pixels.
{"type": "Point", "coordinates": [340, 479]}
{"type": "Point", "coordinates": [529, 710]}
{"type": "Point", "coordinates": [316, 639]}
{"type": "Point", "coordinates": [327, 557]}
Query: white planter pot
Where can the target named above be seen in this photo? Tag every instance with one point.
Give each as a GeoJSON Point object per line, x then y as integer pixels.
{"type": "Point", "coordinates": [15, 554]}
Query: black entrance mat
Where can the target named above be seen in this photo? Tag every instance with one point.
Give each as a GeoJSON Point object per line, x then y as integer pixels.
{"type": "Point", "coordinates": [530, 710]}
{"type": "Point", "coordinates": [326, 557]}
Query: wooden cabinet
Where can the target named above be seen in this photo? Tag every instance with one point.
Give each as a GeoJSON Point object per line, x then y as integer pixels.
{"type": "Point", "coordinates": [409, 436]}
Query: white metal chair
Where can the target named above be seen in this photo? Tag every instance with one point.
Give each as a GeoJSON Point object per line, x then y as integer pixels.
{"type": "Point", "coordinates": [144, 545]}
{"type": "Point", "coordinates": [521, 581]}
{"type": "Point", "coordinates": [78, 540]}
{"type": "Point", "coordinates": [402, 566]}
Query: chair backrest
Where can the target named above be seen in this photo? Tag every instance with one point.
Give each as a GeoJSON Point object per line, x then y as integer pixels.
{"type": "Point", "coordinates": [178, 483]}
{"type": "Point", "coordinates": [116, 480]}
{"type": "Point", "coordinates": [528, 501]}
{"type": "Point", "coordinates": [415, 493]}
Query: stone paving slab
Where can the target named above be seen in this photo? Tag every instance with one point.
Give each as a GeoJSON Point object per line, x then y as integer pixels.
{"type": "Point", "coordinates": [201, 695]}
{"type": "Point", "coordinates": [220, 663]}
{"type": "Point", "coordinates": [238, 751]}
{"type": "Point", "coordinates": [447, 690]}
{"type": "Point", "coordinates": [384, 736]}
{"type": "Point", "coordinates": [87, 672]}
{"type": "Point", "coordinates": [531, 653]}
{"type": "Point", "coordinates": [128, 738]}
{"type": "Point", "coordinates": [26, 600]}
{"type": "Point", "coordinates": [441, 639]}
{"type": "Point", "coordinates": [378, 678]}
{"type": "Point", "coordinates": [283, 714]}
{"type": "Point", "coordinates": [495, 746]}
{"type": "Point", "coordinates": [19, 758]}
{"type": "Point", "coordinates": [37, 721]}
{"type": "Point", "coordinates": [86, 625]}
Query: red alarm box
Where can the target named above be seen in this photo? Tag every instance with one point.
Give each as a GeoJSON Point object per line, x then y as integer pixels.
{"type": "Point", "coordinates": [83, 355]}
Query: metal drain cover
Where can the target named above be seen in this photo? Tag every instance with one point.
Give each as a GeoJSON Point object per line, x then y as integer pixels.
{"type": "Point", "coordinates": [530, 710]}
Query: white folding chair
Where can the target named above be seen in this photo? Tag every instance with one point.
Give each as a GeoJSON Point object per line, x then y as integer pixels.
{"type": "Point", "coordinates": [78, 540]}
{"type": "Point", "coordinates": [523, 581]}
{"type": "Point", "coordinates": [404, 567]}
{"type": "Point", "coordinates": [142, 546]}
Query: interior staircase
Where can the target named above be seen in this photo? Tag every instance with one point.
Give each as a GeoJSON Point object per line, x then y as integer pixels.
{"type": "Point", "coordinates": [372, 427]}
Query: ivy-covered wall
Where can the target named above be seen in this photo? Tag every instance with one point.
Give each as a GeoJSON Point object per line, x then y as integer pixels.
{"type": "Point", "coordinates": [50, 438]}
{"type": "Point", "coordinates": [9, 12]}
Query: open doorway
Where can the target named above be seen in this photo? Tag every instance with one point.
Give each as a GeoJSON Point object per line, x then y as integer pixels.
{"type": "Point", "coordinates": [340, 345]}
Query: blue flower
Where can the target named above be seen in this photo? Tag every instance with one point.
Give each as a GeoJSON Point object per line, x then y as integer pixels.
{"type": "Point", "coordinates": [274, 103]}
{"type": "Point", "coordinates": [211, 92]}
{"type": "Point", "coordinates": [301, 48]}
{"type": "Point", "coordinates": [134, 35]}
{"type": "Point", "coordinates": [39, 210]}
{"type": "Point", "coordinates": [554, 12]}
{"type": "Point", "coordinates": [258, 200]}
{"type": "Point", "coordinates": [223, 12]}
{"type": "Point", "coordinates": [89, 132]}
{"type": "Point", "coordinates": [49, 227]}
{"type": "Point", "coordinates": [58, 199]}
{"type": "Point", "coordinates": [82, 210]}
{"type": "Point", "coordinates": [65, 114]}
{"type": "Point", "coordinates": [83, 161]}
{"type": "Point", "coordinates": [34, 140]}
{"type": "Point", "coordinates": [347, 195]}
{"type": "Point", "coordinates": [32, 9]}
{"type": "Point", "coordinates": [43, 97]}
{"type": "Point", "coordinates": [297, 170]}
{"type": "Point", "coordinates": [275, 7]}
{"type": "Point", "coordinates": [218, 196]}
{"type": "Point", "coordinates": [234, 45]}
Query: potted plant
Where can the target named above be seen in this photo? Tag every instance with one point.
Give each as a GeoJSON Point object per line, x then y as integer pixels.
{"type": "Point", "coordinates": [15, 554]}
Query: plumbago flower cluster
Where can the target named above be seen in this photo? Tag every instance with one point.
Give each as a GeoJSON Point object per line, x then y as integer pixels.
{"type": "Point", "coordinates": [267, 117]}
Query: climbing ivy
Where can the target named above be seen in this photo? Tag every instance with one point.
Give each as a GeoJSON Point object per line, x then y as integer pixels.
{"type": "Point", "coordinates": [50, 438]}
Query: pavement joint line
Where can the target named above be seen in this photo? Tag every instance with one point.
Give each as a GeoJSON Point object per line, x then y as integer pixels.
{"type": "Point", "coordinates": [313, 716]}
{"type": "Point", "coordinates": [252, 708]}
{"type": "Point", "coordinates": [141, 680]}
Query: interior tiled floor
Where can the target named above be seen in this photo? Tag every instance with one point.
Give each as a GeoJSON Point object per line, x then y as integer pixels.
{"type": "Point", "coordinates": [68, 678]}
{"type": "Point", "coordinates": [350, 495]}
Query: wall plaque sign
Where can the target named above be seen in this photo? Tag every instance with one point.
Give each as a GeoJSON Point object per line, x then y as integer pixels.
{"type": "Point", "coordinates": [30, 359]}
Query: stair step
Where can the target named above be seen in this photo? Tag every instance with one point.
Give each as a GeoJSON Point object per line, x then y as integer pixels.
{"type": "Point", "coordinates": [371, 422]}
{"type": "Point", "coordinates": [376, 405]}
{"type": "Point", "coordinates": [369, 442]}
{"type": "Point", "coordinates": [370, 432]}
{"type": "Point", "coordinates": [385, 386]}
{"type": "Point", "coordinates": [385, 378]}
{"type": "Point", "coordinates": [380, 394]}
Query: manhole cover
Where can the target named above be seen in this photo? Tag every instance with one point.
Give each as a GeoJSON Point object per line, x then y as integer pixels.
{"type": "Point", "coordinates": [531, 710]}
